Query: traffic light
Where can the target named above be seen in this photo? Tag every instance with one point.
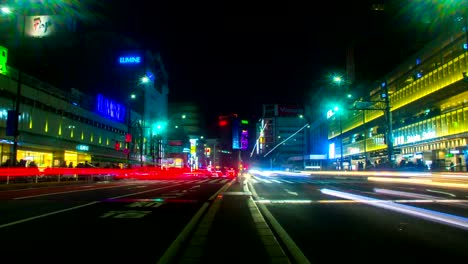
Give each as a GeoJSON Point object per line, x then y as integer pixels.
{"type": "Point", "coordinates": [223, 123]}
{"type": "Point", "coordinates": [128, 138]}
{"type": "Point", "coordinates": [117, 146]}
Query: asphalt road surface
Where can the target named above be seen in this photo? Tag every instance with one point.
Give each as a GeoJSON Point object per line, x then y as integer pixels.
{"type": "Point", "coordinates": [330, 220]}
{"type": "Point", "coordinates": [312, 219]}
{"type": "Point", "coordinates": [110, 222]}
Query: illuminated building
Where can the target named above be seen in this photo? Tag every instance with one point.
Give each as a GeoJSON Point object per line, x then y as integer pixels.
{"type": "Point", "coordinates": [281, 134]}
{"type": "Point", "coordinates": [429, 113]}
{"type": "Point", "coordinates": [57, 127]}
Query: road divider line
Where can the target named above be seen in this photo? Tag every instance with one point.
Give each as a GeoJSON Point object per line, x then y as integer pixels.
{"type": "Point", "coordinates": [263, 211]}
{"type": "Point", "coordinates": [77, 207]}
{"type": "Point", "coordinates": [80, 190]}
{"type": "Point", "coordinates": [202, 230]}
{"type": "Point", "coordinates": [47, 214]}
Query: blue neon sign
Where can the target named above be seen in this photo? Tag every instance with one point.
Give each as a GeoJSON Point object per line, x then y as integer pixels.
{"type": "Point", "coordinates": [130, 60]}
{"type": "Point", "coordinates": [110, 108]}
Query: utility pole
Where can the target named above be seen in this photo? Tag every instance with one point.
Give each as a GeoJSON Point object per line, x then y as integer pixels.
{"type": "Point", "coordinates": [388, 114]}
{"type": "Point", "coordinates": [377, 105]}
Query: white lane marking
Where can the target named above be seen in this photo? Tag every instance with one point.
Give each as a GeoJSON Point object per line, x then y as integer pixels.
{"type": "Point", "coordinates": [287, 181]}
{"type": "Point", "coordinates": [47, 214]}
{"type": "Point", "coordinates": [292, 193]}
{"type": "Point", "coordinates": [224, 181]}
{"type": "Point", "coordinates": [87, 190]}
{"type": "Point", "coordinates": [213, 181]}
{"type": "Point", "coordinates": [276, 181]}
{"type": "Point", "coordinates": [79, 206]}
{"type": "Point", "coordinates": [295, 251]}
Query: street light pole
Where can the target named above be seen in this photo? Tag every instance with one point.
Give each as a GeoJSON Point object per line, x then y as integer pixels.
{"type": "Point", "coordinates": [129, 132]}
{"type": "Point", "coordinates": [341, 142]}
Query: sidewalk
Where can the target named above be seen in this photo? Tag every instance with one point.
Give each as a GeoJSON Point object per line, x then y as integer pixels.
{"type": "Point", "coordinates": [233, 231]}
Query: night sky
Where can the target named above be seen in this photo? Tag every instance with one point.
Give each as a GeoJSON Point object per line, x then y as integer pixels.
{"type": "Point", "coordinates": [233, 56]}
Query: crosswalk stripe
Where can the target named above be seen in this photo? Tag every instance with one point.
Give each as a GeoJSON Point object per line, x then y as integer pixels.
{"type": "Point", "coordinates": [287, 181]}
{"type": "Point", "coordinates": [276, 181]}
{"type": "Point", "coordinates": [223, 181]}
{"type": "Point", "coordinates": [213, 181]}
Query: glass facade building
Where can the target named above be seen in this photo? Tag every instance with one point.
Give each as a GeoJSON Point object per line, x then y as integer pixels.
{"type": "Point", "coordinates": [428, 97]}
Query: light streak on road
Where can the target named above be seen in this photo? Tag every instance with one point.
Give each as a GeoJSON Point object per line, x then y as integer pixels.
{"type": "Point", "coordinates": [419, 181]}
{"type": "Point", "coordinates": [441, 192]}
{"type": "Point", "coordinates": [405, 194]}
{"type": "Point", "coordinates": [267, 201]}
{"type": "Point", "coordinates": [444, 218]}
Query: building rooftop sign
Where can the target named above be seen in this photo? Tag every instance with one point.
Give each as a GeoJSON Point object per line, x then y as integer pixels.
{"type": "Point", "coordinates": [129, 60]}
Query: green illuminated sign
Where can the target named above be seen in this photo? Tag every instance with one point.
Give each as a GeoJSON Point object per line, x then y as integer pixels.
{"type": "Point", "coordinates": [3, 59]}
{"type": "Point", "coordinates": [244, 122]}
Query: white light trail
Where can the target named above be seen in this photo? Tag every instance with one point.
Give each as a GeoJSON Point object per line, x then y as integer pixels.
{"type": "Point", "coordinates": [444, 218]}
{"type": "Point", "coordinates": [279, 144]}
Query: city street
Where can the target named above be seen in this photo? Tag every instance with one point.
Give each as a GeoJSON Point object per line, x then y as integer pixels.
{"type": "Point", "coordinates": [331, 220]}
{"type": "Point", "coordinates": [312, 219]}
{"type": "Point", "coordinates": [127, 221]}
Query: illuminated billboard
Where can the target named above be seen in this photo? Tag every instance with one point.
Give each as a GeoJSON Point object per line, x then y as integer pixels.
{"type": "Point", "coordinates": [288, 110]}
{"type": "Point", "coordinates": [43, 26]}
{"type": "Point", "coordinates": [235, 134]}
{"type": "Point", "coordinates": [244, 139]}
{"type": "Point", "coordinates": [129, 58]}
{"type": "Point", "coordinates": [110, 108]}
{"type": "Point", "coordinates": [3, 59]}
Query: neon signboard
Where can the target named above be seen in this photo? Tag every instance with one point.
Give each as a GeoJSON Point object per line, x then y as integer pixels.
{"type": "Point", "coordinates": [110, 108]}
{"type": "Point", "coordinates": [82, 147]}
{"type": "Point", "coordinates": [130, 60]}
{"type": "Point", "coordinates": [244, 139]}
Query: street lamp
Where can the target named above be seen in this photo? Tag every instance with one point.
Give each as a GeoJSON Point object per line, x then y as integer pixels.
{"type": "Point", "coordinates": [330, 114]}
{"type": "Point", "coordinates": [161, 128]}
{"type": "Point", "coordinates": [128, 139]}
{"type": "Point", "coordinates": [8, 11]}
